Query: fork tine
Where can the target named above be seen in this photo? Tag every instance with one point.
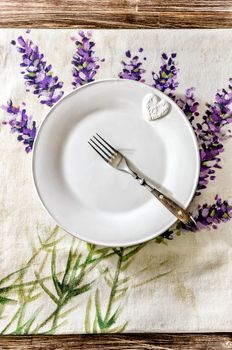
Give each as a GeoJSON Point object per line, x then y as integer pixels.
{"type": "Point", "coordinates": [105, 147]}
{"type": "Point", "coordinates": [113, 149]}
{"type": "Point", "coordinates": [100, 149]}
{"type": "Point", "coordinates": [98, 152]}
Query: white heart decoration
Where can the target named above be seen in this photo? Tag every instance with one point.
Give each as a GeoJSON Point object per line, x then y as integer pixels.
{"type": "Point", "coordinates": [155, 108]}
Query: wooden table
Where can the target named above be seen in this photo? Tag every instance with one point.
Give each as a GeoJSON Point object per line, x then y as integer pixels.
{"type": "Point", "coordinates": [117, 14]}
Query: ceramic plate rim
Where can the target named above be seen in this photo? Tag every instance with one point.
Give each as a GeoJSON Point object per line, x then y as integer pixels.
{"type": "Point", "coordinates": [77, 235]}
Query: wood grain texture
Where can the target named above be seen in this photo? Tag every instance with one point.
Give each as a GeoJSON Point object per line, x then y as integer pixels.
{"type": "Point", "coordinates": [122, 342]}
{"type": "Point", "coordinates": [117, 14]}
{"type": "Point", "coordinates": [183, 5]}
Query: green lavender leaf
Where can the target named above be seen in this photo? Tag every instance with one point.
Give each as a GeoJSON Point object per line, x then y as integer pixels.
{"type": "Point", "coordinates": [67, 312]}
{"type": "Point", "coordinates": [46, 245]}
{"type": "Point", "coordinates": [67, 269]}
{"type": "Point", "coordinates": [95, 325]}
{"type": "Point", "coordinates": [102, 250]}
{"type": "Point", "coordinates": [4, 279]}
{"type": "Point", "coordinates": [47, 291]}
{"type": "Point", "coordinates": [89, 246]}
{"type": "Point", "coordinates": [120, 295]}
{"type": "Point", "coordinates": [30, 322]}
{"type": "Point", "coordinates": [121, 290]}
{"type": "Point", "coordinates": [25, 328]}
{"type": "Point", "coordinates": [123, 280]}
{"type": "Point", "coordinates": [87, 315]}
{"type": "Point", "coordinates": [4, 300]}
{"type": "Point", "coordinates": [100, 321]}
{"type": "Point", "coordinates": [52, 329]}
{"type": "Point", "coordinates": [73, 280]}
{"type": "Point", "coordinates": [33, 298]}
{"type": "Point", "coordinates": [25, 284]}
{"type": "Point", "coordinates": [13, 318]}
{"type": "Point", "coordinates": [119, 329]}
{"type": "Point", "coordinates": [151, 279]}
{"type": "Point", "coordinates": [133, 252]}
{"type": "Point", "coordinates": [57, 285]}
{"type": "Point", "coordinates": [118, 251]}
{"type": "Point", "coordinates": [82, 289]}
{"type": "Point", "coordinates": [127, 263]}
{"type": "Point", "coordinates": [108, 281]}
{"type": "Point", "coordinates": [113, 318]}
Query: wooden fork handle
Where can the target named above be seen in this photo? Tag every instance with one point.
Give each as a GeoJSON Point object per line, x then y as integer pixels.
{"type": "Point", "coordinates": [173, 207]}
{"type": "Point", "coordinates": [179, 212]}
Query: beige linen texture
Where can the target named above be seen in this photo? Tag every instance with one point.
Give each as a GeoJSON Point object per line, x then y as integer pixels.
{"type": "Point", "coordinates": [193, 288]}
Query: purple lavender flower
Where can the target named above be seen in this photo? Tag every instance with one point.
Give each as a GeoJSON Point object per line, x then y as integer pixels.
{"type": "Point", "coordinates": [133, 68]}
{"type": "Point", "coordinates": [85, 63]}
{"type": "Point", "coordinates": [22, 124]}
{"type": "Point", "coordinates": [206, 216]}
{"type": "Point", "coordinates": [166, 79]}
{"type": "Point", "coordinates": [188, 104]}
{"type": "Point", "coordinates": [209, 216]}
{"type": "Point", "coordinates": [38, 74]}
{"type": "Point", "coordinates": [210, 134]}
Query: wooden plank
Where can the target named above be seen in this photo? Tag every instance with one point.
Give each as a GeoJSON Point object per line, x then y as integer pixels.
{"type": "Point", "coordinates": [115, 5]}
{"type": "Point", "coordinates": [79, 20]}
{"type": "Point", "coordinates": [185, 5]}
{"type": "Point", "coordinates": [116, 14]}
{"type": "Point", "coordinates": [68, 6]}
{"type": "Point", "coordinates": [122, 342]}
{"type": "Point", "coordinates": [193, 19]}
{"type": "Point", "coordinates": [114, 20]}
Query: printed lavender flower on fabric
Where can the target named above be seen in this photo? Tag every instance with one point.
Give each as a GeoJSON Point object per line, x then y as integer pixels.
{"type": "Point", "coordinates": [38, 74]}
{"type": "Point", "coordinates": [21, 123]}
{"type": "Point", "coordinates": [188, 104]}
{"type": "Point", "coordinates": [85, 63]}
{"type": "Point", "coordinates": [211, 134]}
{"type": "Point", "coordinates": [166, 79]}
{"type": "Point", "coordinates": [211, 215]}
{"type": "Point", "coordinates": [206, 216]}
{"type": "Point", "coordinates": [132, 67]}
{"type": "Point", "coordinates": [211, 131]}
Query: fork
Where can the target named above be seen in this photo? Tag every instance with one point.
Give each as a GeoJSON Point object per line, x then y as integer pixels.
{"type": "Point", "coordinates": [115, 159]}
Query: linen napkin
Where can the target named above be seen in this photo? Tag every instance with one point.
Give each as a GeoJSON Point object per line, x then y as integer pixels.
{"type": "Point", "coordinates": [51, 282]}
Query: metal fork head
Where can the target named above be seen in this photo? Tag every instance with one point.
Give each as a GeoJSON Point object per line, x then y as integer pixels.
{"type": "Point", "coordinates": [112, 156]}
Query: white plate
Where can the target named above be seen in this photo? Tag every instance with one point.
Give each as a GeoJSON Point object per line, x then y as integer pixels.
{"type": "Point", "coordinates": [87, 197]}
